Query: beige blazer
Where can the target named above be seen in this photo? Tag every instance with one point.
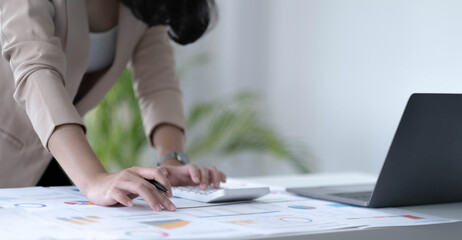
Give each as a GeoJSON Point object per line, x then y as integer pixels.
{"type": "Point", "coordinates": [45, 48]}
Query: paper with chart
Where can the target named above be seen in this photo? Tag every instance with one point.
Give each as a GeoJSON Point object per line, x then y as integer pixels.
{"type": "Point", "coordinates": [63, 212]}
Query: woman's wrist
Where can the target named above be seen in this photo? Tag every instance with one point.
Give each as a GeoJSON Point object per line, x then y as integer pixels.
{"type": "Point", "coordinates": [86, 183]}
{"type": "Point", "coordinates": [71, 149]}
{"type": "Point", "coordinates": [167, 139]}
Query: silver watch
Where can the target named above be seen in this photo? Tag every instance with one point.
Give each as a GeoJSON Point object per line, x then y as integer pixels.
{"type": "Point", "coordinates": [180, 156]}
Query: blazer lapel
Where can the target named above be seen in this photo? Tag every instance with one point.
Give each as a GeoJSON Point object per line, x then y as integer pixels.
{"type": "Point", "coordinates": [77, 44]}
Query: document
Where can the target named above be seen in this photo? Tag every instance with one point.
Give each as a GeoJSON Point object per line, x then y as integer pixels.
{"type": "Point", "coordinates": [64, 213]}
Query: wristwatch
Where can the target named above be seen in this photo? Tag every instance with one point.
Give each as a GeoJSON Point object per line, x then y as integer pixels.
{"type": "Point", "coordinates": [180, 156]}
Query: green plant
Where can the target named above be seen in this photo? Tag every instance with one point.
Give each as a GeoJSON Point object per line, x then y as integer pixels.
{"type": "Point", "coordinates": [233, 125]}
{"type": "Point", "coordinates": [115, 130]}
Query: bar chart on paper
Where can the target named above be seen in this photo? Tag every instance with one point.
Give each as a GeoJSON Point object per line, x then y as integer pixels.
{"type": "Point", "coordinates": [168, 224]}
{"type": "Point", "coordinates": [81, 220]}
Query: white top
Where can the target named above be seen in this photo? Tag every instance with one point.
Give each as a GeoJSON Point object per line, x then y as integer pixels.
{"type": "Point", "coordinates": [102, 50]}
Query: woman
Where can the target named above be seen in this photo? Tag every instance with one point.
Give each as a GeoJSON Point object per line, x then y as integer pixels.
{"type": "Point", "coordinates": [53, 73]}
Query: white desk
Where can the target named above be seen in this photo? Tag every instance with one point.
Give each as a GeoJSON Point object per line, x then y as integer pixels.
{"type": "Point", "coordinates": [64, 204]}
{"type": "Point", "coordinates": [430, 232]}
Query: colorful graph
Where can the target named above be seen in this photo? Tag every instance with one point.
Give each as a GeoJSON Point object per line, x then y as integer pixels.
{"type": "Point", "coordinates": [411, 217]}
{"type": "Point", "coordinates": [30, 205]}
{"type": "Point", "coordinates": [79, 203]}
{"type": "Point", "coordinates": [399, 216]}
{"type": "Point", "coordinates": [81, 220]}
{"type": "Point", "coordinates": [301, 207]}
{"type": "Point", "coordinates": [168, 224]}
{"type": "Point", "coordinates": [243, 222]}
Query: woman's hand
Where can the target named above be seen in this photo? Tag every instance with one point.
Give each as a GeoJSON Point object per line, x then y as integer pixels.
{"type": "Point", "coordinates": [122, 187]}
{"type": "Point", "coordinates": [168, 138]}
{"type": "Point", "coordinates": [70, 147]}
{"type": "Point", "coordinates": [187, 175]}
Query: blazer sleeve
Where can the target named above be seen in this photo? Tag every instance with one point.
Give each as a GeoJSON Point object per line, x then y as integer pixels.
{"type": "Point", "coordinates": [155, 82]}
{"type": "Point", "coordinates": [38, 64]}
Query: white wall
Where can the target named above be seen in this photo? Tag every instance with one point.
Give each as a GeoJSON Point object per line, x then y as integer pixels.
{"type": "Point", "coordinates": [335, 74]}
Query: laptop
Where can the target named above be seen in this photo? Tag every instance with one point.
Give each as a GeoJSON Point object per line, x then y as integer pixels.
{"type": "Point", "coordinates": [423, 164]}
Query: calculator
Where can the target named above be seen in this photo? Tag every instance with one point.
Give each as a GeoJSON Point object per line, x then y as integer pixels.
{"type": "Point", "coordinates": [213, 195]}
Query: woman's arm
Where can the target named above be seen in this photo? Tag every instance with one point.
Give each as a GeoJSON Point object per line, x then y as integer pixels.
{"type": "Point", "coordinates": [71, 149]}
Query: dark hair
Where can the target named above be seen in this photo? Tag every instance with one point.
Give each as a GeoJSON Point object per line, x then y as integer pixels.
{"type": "Point", "coordinates": [187, 19]}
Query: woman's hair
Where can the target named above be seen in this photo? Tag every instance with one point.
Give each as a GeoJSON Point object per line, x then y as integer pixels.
{"type": "Point", "coordinates": [188, 19]}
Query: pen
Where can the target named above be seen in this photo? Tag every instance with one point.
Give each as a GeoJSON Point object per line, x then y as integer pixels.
{"type": "Point", "coordinates": [157, 185]}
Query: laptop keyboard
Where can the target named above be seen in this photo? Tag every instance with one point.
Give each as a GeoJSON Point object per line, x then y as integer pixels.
{"type": "Point", "coordinates": [363, 196]}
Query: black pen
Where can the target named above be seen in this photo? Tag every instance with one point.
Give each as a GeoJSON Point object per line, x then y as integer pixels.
{"type": "Point", "coordinates": [157, 185]}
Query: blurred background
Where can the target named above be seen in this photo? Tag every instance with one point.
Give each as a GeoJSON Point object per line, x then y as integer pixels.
{"type": "Point", "coordinates": [289, 86]}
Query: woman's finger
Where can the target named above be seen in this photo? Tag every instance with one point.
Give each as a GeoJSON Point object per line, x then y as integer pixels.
{"type": "Point", "coordinates": [151, 195]}
{"type": "Point", "coordinates": [142, 191]}
{"type": "Point", "coordinates": [164, 201]}
{"type": "Point", "coordinates": [194, 173]}
{"type": "Point", "coordinates": [222, 176]}
{"type": "Point", "coordinates": [204, 177]}
{"type": "Point", "coordinates": [159, 194]}
{"type": "Point", "coordinates": [214, 176]}
{"type": "Point", "coordinates": [121, 197]}
{"type": "Point", "coordinates": [154, 174]}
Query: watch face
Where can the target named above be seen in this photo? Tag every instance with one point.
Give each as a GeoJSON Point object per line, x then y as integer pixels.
{"type": "Point", "coordinates": [182, 157]}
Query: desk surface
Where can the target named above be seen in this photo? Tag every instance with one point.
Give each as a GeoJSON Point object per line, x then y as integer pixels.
{"type": "Point", "coordinates": [439, 231]}
{"type": "Point", "coordinates": [53, 207]}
